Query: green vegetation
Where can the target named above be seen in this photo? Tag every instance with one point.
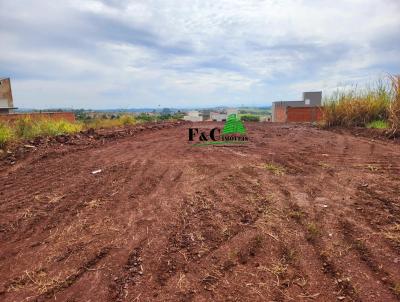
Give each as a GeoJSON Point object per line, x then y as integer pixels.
{"type": "Point", "coordinates": [379, 124]}
{"type": "Point", "coordinates": [254, 114]}
{"type": "Point", "coordinates": [250, 118]}
{"type": "Point", "coordinates": [357, 107]}
{"type": "Point", "coordinates": [27, 128]}
{"type": "Point", "coordinates": [255, 111]}
{"type": "Point", "coordinates": [5, 134]}
{"type": "Point", "coordinates": [377, 106]}
{"type": "Point", "coordinates": [144, 117]}
{"type": "Point", "coordinates": [97, 123]}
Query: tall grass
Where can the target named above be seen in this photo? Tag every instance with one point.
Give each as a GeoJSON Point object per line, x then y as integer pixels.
{"type": "Point", "coordinates": [358, 107]}
{"type": "Point", "coordinates": [374, 107]}
{"type": "Point", "coordinates": [394, 107]}
{"type": "Point", "coordinates": [6, 134]}
{"type": "Point", "coordinates": [27, 128]}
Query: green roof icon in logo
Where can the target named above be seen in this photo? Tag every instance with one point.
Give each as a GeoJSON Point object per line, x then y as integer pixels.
{"type": "Point", "coordinates": [233, 125]}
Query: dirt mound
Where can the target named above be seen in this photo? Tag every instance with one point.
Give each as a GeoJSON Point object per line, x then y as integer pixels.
{"type": "Point", "coordinates": [379, 134]}
{"type": "Point", "coordinates": [90, 137]}
{"type": "Point", "coordinates": [297, 214]}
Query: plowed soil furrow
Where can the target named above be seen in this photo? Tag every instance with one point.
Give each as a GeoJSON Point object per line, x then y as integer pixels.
{"type": "Point", "coordinates": [298, 214]}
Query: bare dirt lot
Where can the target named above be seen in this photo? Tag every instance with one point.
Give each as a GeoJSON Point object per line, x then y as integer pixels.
{"type": "Point", "coordinates": [299, 214]}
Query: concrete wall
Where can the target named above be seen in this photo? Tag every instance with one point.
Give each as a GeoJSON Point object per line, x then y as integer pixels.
{"type": "Point", "coordinates": [314, 97]}
{"type": "Point", "coordinates": [6, 99]}
{"type": "Point", "coordinates": [303, 114]}
{"type": "Point", "coordinates": [279, 112]}
{"type": "Point", "coordinates": [68, 116]}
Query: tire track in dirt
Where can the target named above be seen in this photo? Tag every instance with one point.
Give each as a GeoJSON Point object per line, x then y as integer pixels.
{"type": "Point", "coordinates": [366, 256]}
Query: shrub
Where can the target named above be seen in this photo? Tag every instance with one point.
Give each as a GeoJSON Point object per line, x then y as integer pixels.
{"type": "Point", "coordinates": [123, 120]}
{"type": "Point", "coordinates": [5, 134]}
{"type": "Point", "coordinates": [250, 118]}
{"type": "Point", "coordinates": [127, 120]}
{"type": "Point", "coordinates": [145, 117]}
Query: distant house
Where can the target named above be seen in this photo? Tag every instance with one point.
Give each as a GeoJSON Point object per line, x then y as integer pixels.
{"type": "Point", "coordinates": [193, 116]}
{"type": "Point", "coordinates": [6, 99]}
{"type": "Point", "coordinates": [230, 111]}
{"type": "Point", "coordinates": [289, 111]}
{"type": "Point", "coordinates": [218, 117]}
{"type": "Point", "coordinates": [205, 113]}
{"type": "Point", "coordinates": [222, 116]}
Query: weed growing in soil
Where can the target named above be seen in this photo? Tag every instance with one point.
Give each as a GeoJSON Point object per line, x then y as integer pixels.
{"type": "Point", "coordinates": [313, 231]}
{"type": "Point", "coordinates": [279, 268]}
{"type": "Point", "coordinates": [296, 215]}
{"type": "Point", "coordinates": [274, 168]}
{"type": "Point", "coordinates": [324, 165]}
{"type": "Point", "coordinates": [289, 255]}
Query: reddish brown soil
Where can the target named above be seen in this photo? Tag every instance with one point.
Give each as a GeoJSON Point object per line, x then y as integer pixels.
{"type": "Point", "coordinates": [299, 214]}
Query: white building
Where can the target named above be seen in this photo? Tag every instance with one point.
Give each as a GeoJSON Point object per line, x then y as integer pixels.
{"type": "Point", "coordinates": [193, 116]}
{"type": "Point", "coordinates": [218, 117]}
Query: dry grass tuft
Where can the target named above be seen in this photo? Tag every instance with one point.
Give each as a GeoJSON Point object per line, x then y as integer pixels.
{"type": "Point", "coordinates": [38, 280]}
{"type": "Point", "coordinates": [275, 169]}
{"type": "Point", "coordinates": [393, 234]}
{"type": "Point", "coordinates": [396, 288]}
{"type": "Point", "coordinates": [313, 232]}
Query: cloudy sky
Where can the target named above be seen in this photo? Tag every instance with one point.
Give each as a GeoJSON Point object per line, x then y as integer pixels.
{"type": "Point", "coordinates": [178, 53]}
